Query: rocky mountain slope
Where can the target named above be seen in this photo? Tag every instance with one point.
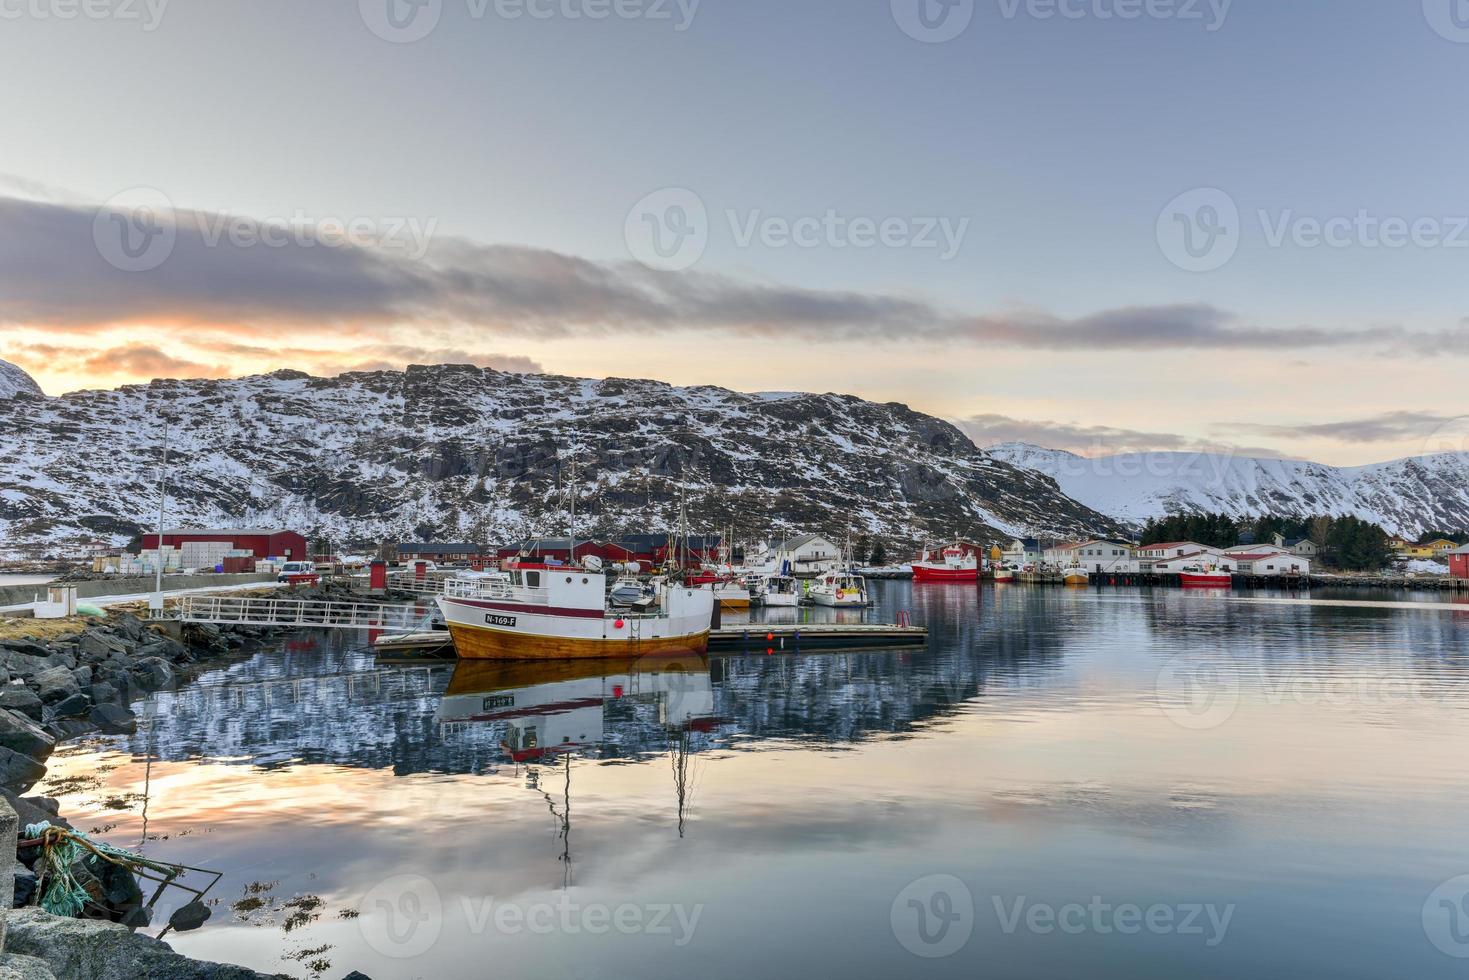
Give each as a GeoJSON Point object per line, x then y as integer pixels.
{"type": "Point", "coordinates": [14, 381]}
{"type": "Point", "coordinates": [463, 452]}
{"type": "Point", "coordinates": [1407, 496]}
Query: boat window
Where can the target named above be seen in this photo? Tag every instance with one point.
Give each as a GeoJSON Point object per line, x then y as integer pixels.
{"type": "Point", "coordinates": [533, 579]}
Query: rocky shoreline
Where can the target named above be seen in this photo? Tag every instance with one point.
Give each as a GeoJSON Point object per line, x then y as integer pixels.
{"type": "Point", "coordinates": [56, 685]}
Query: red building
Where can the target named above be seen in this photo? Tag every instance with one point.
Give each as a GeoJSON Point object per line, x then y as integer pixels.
{"type": "Point", "coordinates": [263, 542]}
{"type": "Point", "coordinates": [559, 550]}
{"type": "Point", "coordinates": [1459, 562]}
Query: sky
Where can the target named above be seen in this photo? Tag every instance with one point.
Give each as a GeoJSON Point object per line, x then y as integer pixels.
{"type": "Point", "coordinates": [1098, 225]}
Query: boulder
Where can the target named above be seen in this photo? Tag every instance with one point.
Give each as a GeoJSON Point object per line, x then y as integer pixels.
{"type": "Point", "coordinates": [14, 697]}
{"type": "Point", "coordinates": [25, 885]}
{"type": "Point", "coordinates": [152, 674]}
{"type": "Point", "coordinates": [14, 966]}
{"type": "Point", "coordinates": [34, 809]}
{"type": "Point", "coordinates": [74, 706]}
{"type": "Point", "coordinates": [93, 648]}
{"type": "Point", "coordinates": [102, 692]}
{"type": "Point", "coordinates": [19, 734]}
{"type": "Point", "coordinates": [55, 684]}
{"type": "Point", "coordinates": [28, 647]}
{"type": "Point", "coordinates": [19, 772]}
{"type": "Point", "coordinates": [83, 675]}
{"type": "Point", "coordinates": [113, 719]}
{"type": "Point", "coordinates": [92, 949]}
{"type": "Point", "coordinates": [190, 916]}
{"type": "Point", "coordinates": [130, 626]}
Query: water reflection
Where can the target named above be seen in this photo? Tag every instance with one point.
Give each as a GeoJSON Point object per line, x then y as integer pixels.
{"type": "Point", "coordinates": [1038, 747]}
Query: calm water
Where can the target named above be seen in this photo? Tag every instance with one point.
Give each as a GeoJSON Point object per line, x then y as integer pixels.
{"type": "Point", "coordinates": [1101, 783]}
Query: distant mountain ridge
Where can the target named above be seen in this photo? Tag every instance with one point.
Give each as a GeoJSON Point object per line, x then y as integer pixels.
{"type": "Point", "coordinates": [460, 452]}
{"type": "Point", "coordinates": [1407, 496]}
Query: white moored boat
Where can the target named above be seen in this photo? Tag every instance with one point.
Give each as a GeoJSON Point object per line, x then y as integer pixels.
{"type": "Point", "coordinates": [781, 590]}
{"type": "Point", "coordinates": [562, 612]}
{"type": "Point", "coordinates": [838, 589]}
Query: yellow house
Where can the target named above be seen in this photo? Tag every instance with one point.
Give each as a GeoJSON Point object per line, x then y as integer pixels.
{"type": "Point", "coordinates": [1437, 548]}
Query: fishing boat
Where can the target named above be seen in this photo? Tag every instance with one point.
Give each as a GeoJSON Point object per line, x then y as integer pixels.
{"type": "Point", "coordinates": [1075, 574]}
{"type": "Point", "coordinates": [1005, 573]}
{"type": "Point", "coordinates": [838, 589]}
{"type": "Point", "coordinates": [730, 591]}
{"type": "Point", "coordinates": [540, 611]}
{"type": "Point", "coordinates": [781, 590]}
{"type": "Point", "coordinates": [953, 564]}
{"type": "Point", "coordinates": [1201, 576]}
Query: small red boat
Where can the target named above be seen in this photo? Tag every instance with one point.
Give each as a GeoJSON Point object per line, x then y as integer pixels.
{"type": "Point", "coordinates": [1198, 577]}
{"type": "Point", "coordinates": [953, 564]}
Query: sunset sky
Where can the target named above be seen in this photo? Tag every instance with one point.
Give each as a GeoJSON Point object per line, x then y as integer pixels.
{"type": "Point", "coordinates": [1234, 224]}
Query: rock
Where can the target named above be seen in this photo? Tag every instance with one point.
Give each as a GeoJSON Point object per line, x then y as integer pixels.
{"type": "Point", "coordinates": [93, 648]}
{"type": "Point", "coordinates": [65, 728]}
{"type": "Point", "coordinates": [102, 693]}
{"type": "Point", "coordinates": [113, 719]}
{"type": "Point", "coordinates": [25, 885]}
{"type": "Point", "coordinates": [190, 916]}
{"type": "Point", "coordinates": [19, 772]}
{"type": "Point", "coordinates": [151, 674]}
{"type": "Point", "coordinates": [34, 809]}
{"type": "Point", "coordinates": [55, 684]}
{"type": "Point", "coordinates": [19, 734]}
{"type": "Point", "coordinates": [14, 697]}
{"type": "Point", "coordinates": [73, 706]}
{"type": "Point", "coordinates": [14, 966]}
{"type": "Point", "coordinates": [83, 676]}
{"type": "Point", "coordinates": [357, 975]}
{"type": "Point", "coordinates": [92, 949]}
{"type": "Point", "coordinates": [28, 647]}
{"type": "Point", "coordinates": [130, 626]}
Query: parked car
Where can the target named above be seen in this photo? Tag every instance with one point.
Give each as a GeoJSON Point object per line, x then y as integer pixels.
{"type": "Point", "coordinates": [294, 570]}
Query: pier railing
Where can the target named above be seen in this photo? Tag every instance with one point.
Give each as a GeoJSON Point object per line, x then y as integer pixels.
{"type": "Point", "coordinates": [304, 613]}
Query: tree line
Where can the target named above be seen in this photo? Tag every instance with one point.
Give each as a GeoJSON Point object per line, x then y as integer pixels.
{"type": "Point", "coordinates": [1344, 542]}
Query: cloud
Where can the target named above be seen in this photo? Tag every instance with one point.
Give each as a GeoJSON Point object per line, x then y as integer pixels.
{"type": "Point", "coordinates": [1386, 427]}
{"type": "Point", "coordinates": [1091, 440]}
{"type": "Point", "coordinates": [127, 360]}
{"type": "Point", "coordinates": [52, 273]}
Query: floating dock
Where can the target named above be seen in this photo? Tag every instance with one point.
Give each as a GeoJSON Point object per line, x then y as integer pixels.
{"type": "Point", "coordinates": [744, 638]}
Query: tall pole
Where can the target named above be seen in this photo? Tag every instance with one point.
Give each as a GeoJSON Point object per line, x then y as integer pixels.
{"type": "Point", "coordinates": [155, 604]}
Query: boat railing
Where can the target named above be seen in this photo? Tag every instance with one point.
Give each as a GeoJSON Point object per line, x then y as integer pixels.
{"type": "Point", "coordinates": [493, 588]}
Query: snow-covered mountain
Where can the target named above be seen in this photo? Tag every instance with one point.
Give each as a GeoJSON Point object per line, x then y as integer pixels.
{"type": "Point", "coordinates": [460, 452]}
{"type": "Point", "coordinates": [14, 381]}
{"type": "Point", "coordinates": [1407, 496]}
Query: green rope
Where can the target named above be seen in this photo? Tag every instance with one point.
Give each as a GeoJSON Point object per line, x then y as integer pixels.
{"type": "Point", "coordinates": [60, 892]}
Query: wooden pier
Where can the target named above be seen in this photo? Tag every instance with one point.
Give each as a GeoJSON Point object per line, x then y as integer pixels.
{"type": "Point", "coordinates": [746, 638]}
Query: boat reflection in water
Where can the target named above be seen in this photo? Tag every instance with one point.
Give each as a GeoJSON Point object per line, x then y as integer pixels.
{"type": "Point", "coordinates": [560, 707]}
{"type": "Point", "coordinates": [552, 713]}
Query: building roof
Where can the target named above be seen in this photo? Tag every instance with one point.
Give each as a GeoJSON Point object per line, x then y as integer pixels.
{"type": "Point", "coordinates": [232, 531]}
{"type": "Point", "coordinates": [1164, 545]}
{"type": "Point", "coordinates": [1464, 550]}
{"type": "Point", "coordinates": [1293, 542]}
{"type": "Point", "coordinates": [800, 541]}
{"type": "Point", "coordinates": [441, 548]}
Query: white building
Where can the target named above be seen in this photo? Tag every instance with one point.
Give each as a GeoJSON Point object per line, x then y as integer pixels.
{"type": "Point", "coordinates": [1269, 562]}
{"type": "Point", "coordinates": [1149, 555]}
{"type": "Point", "coordinates": [1302, 547]}
{"type": "Point", "coordinates": [805, 554]}
{"type": "Point", "coordinates": [1022, 551]}
{"type": "Point", "coordinates": [1102, 555]}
